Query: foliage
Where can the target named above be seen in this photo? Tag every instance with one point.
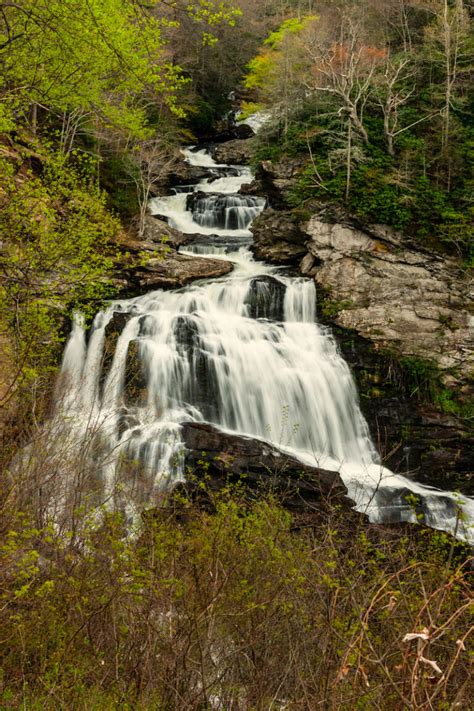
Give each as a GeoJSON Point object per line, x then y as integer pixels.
{"type": "Point", "coordinates": [235, 608]}
{"type": "Point", "coordinates": [57, 254]}
{"type": "Point", "coordinates": [80, 78]}
{"type": "Point", "coordinates": [107, 58]}
{"type": "Point", "coordinates": [265, 68]}
{"type": "Point", "coordinates": [363, 102]}
{"type": "Point", "coordinates": [424, 381]}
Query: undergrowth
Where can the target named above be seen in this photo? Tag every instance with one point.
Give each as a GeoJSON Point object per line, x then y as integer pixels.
{"type": "Point", "coordinates": [241, 608]}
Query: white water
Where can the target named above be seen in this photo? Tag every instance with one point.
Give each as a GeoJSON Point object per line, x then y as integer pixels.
{"type": "Point", "coordinates": [256, 121]}
{"type": "Point", "coordinates": [243, 352]}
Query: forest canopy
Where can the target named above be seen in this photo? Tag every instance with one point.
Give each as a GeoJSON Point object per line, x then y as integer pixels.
{"type": "Point", "coordinates": [378, 95]}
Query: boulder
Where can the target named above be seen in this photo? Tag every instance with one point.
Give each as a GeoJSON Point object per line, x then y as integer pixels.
{"type": "Point", "coordinates": [227, 130]}
{"type": "Point", "coordinates": [154, 263]}
{"type": "Point", "coordinates": [157, 231]}
{"type": "Point", "coordinates": [274, 180]}
{"type": "Point", "coordinates": [177, 270]}
{"type": "Point", "coordinates": [277, 237]}
{"type": "Point", "coordinates": [266, 298]}
{"type": "Point", "coordinates": [236, 152]}
{"type": "Point", "coordinates": [221, 457]}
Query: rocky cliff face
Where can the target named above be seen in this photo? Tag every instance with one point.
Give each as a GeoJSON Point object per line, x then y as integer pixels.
{"type": "Point", "coordinates": [415, 302]}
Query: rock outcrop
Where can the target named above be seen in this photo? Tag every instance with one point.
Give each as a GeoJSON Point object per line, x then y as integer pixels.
{"type": "Point", "coordinates": [221, 458]}
{"type": "Point", "coordinates": [417, 302]}
{"type": "Point", "coordinates": [176, 270]}
{"type": "Point", "coordinates": [236, 152]}
{"type": "Point", "coordinates": [154, 263]}
{"type": "Point", "coordinates": [158, 232]}
{"type": "Point", "coordinates": [278, 238]}
{"type": "Point", "coordinates": [274, 180]}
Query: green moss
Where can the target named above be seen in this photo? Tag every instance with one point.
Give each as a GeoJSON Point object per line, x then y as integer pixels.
{"type": "Point", "coordinates": [331, 308]}
{"type": "Point", "coordinates": [424, 381]}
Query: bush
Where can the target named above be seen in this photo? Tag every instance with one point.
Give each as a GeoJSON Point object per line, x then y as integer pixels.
{"type": "Point", "coordinates": [242, 608]}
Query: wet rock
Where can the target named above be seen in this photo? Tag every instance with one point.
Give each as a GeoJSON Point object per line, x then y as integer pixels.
{"type": "Point", "coordinates": [157, 231]}
{"type": "Point", "coordinates": [135, 383]}
{"type": "Point", "coordinates": [266, 298]}
{"type": "Point", "coordinates": [226, 131]}
{"type": "Point", "coordinates": [236, 152]}
{"type": "Point", "coordinates": [226, 243]}
{"type": "Point", "coordinates": [277, 238]}
{"type": "Point", "coordinates": [178, 270]}
{"type": "Point", "coordinates": [127, 420]}
{"type": "Point", "coordinates": [201, 388]}
{"type": "Point", "coordinates": [221, 458]}
{"type": "Point", "coordinates": [112, 332]}
{"type": "Point", "coordinates": [182, 174]}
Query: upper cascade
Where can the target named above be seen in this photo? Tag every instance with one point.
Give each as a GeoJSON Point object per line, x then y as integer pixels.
{"type": "Point", "coordinates": [244, 353]}
{"type": "Point", "coordinates": [228, 212]}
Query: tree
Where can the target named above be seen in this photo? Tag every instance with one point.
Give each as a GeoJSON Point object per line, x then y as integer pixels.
{"type": "Point", "coordinates": [447, 44]}
{"type": "Point", "coordinates": [394, 88]}
{"type": "Point", "coordinates": [276, 73]}
{"type": "Point", "coordinates": [343, 66]}
{"type": "Point", "coordinates": [97, 56]}
{"type": "Point", "coordinates": [56, 253]}
{"type": "Point", "coordinates": [148, 160]}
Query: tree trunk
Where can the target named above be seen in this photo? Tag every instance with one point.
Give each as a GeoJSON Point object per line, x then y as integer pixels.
{"type": "Point", "coordinates": [358, 125]}
{"type": "Point", "coordinates": [349, 159]}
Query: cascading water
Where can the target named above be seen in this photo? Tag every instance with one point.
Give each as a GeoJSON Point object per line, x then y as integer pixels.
{"type": "Point", "coordinates": [228, 212]}
{"type": "Point", "coordinates": [243, 352]}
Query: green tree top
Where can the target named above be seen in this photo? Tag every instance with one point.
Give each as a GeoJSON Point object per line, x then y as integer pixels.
{"type": "Point", "coordinates": [99, 56]}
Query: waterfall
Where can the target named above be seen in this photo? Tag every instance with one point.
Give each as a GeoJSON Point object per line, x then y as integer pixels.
{"type": "Point", "coordinates": [228, 212]}
{"type": "Point", "coordinates": [243, 352]}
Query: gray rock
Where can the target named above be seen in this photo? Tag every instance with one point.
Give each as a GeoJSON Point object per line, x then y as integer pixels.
{"type": "Point", "coordinates": [177, 270]}
{"type": "Point", "coordinates": [308, 265]}
{"type": "Point", "coordinates": [154, 263]}
{"type": "Point", "coordinates": [236, 152]}
{"type": "Point", "coordinates": [391, 294]}
{"type": "Point", "coordinates": [157, 231]}
{"type": "Point", "coordinates": [277, 238]}
{"type": "Point", "coordinates": [274, 180]}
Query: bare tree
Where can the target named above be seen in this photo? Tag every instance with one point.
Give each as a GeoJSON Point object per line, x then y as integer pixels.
{"type": "Point", "coordinates": [446, 39]}
{"type": "Point", "coordinates": [151, 158]}
{"type": "Point", "coordinates": [343, 67]}
{"type": "Point", "coordinates": [393, 91]}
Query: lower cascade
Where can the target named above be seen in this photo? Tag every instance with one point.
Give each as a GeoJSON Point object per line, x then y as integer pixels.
{"type": "Point", "coordinates": [243, 352]}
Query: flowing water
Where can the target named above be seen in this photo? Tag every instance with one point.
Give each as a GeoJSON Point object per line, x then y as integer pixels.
{"type": "Point", "coordinates": [244, 352]}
